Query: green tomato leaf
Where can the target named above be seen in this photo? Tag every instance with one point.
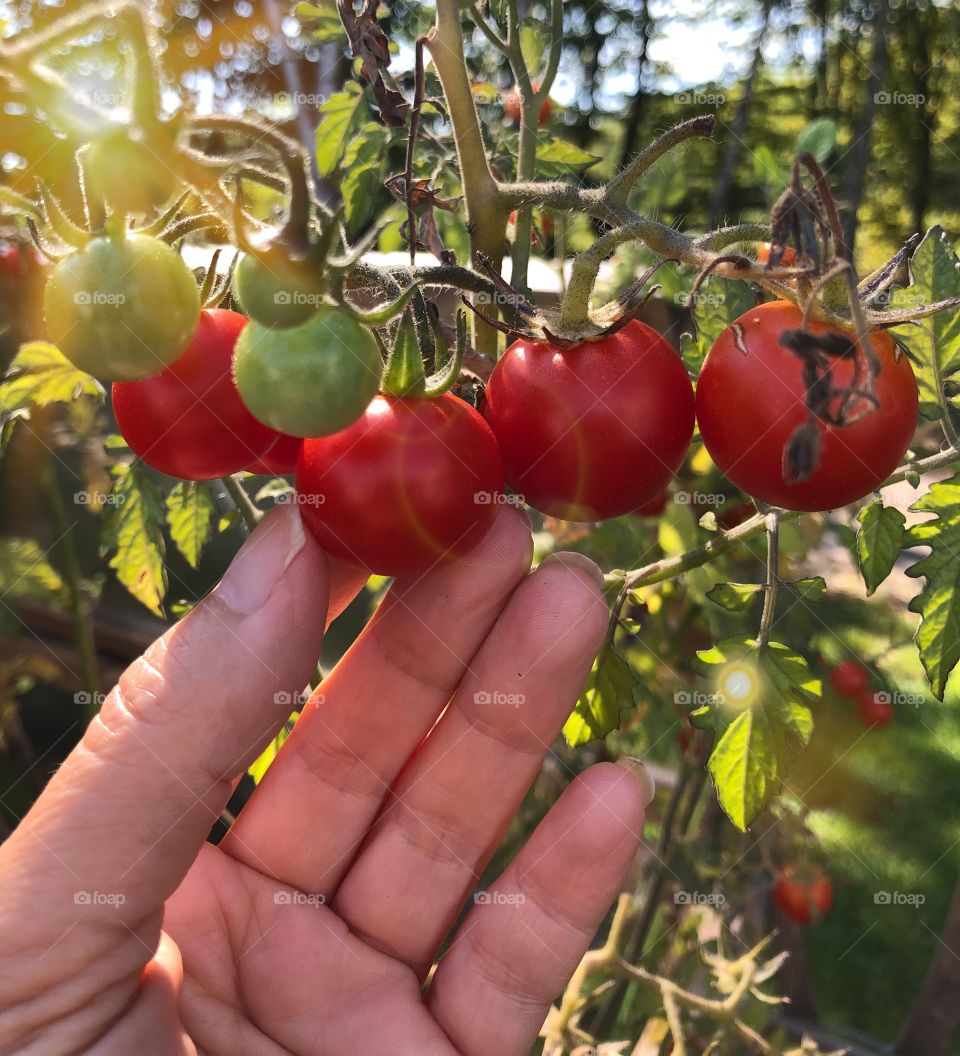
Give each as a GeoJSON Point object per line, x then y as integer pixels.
{"type": "Point", "coordinates": [557, 158]}
{"type": "Point", "coordinates": [25, 572]}
{"type": "Point", "coordinates": [362, 164]}
{"type": "Point", "coordinates": [190, 511]}
{"type": "Point", "coordinates": [743, 765]}
{"type": "Point", "coordinates": [879, 541]}
{"type": "Point", "coordinates": [534, 42]}
{"type": "Point", "coordinates": [40, 374]}
{"type": "Point", "coordinates": [935, 342]}
{"type": "Point", "coordinates": [810, 589]}
{"type": "Point", "coordinates": [719, 302]}
{"type": "Point", "coordinates": [132, 533]}
{"type": "Point", "coordinates": [611, 688]}
{"type": "Point", "coordinates": [760, 712]}
{"type": "Point", "coordinates": [320, 21]}
{"type": "Point", "coordinates": [735, 597]}
{"type": "Point", "coordinates": [819, 139]}
{"type": "Point", "coordinates": [340, 116]}
{"type": "Point", "coordinates": [938, 636]}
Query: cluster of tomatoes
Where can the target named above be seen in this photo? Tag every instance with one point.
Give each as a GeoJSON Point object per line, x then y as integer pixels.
{"type": "Point", "coordinates": [394, 482]}
{"type": "Point", "coordinates": [851, 680]}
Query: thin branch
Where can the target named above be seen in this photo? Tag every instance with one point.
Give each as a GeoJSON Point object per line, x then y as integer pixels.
{"type": "Point", "coordinates": [772, 521]}
{"type": "Point", "coordinates": [248, 511]}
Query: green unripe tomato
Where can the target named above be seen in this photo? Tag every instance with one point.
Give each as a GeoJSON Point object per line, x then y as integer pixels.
{"type": "Point", "coordinates": [126, 172]}
{"type": "Point", "coordinates": [275, 294]}
{"type": "Point", "coordinates": [122, 308]}
{"type": "Point", "coordinates": [310, 380]}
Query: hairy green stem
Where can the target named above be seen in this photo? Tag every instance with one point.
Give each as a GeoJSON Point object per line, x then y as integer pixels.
{"type": "Point", "coordinates": [248, 511]}
{"type": "Point", "coordinates": [486, 213]}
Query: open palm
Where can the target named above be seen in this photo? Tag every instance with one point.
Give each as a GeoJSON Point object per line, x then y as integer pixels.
{"type": "Point", "coordinates": [312, 926]}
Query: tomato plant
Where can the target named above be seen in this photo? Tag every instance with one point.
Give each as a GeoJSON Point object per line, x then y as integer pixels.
{"type": "Point", "coordinates": [804, 893]}
{"type": "Point", "coordinates": [432, 468]}
{"type": "Point", "coordinates": [310, 380]}
{"type": "Point", "coordinates": [121, 308]}
{"type": "Point", "coordinates": [189, 421]}
{"type": "Point", "coordinates": [849, 679]}
{"type": "Point", "coordinates": [751, 399]}
{"type": "Point", "coordinates": [593, 431]}
{"type": "Point", "coordinates": [353, 243]}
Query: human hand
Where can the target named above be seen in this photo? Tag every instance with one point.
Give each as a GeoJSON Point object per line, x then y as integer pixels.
{"type": "Point", "coordinates": [313, 924]}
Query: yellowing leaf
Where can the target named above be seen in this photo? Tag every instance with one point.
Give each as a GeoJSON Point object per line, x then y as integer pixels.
{"type": "Point", "coordinates": [132, 533]}
{"type": "Point", "coordinates": [25, 571]}
{"type": "Point", "coordinates": [40, 374]}
{"type": "Point", "coordinates": [190, 511]}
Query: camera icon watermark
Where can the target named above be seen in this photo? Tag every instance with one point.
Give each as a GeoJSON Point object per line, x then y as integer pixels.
{"type": "Point", "coordinates": [699, 898]}
{"type": "Point", "coordinates": [697, 98]}
{"type": "Point", "coordinates": [301, 498]}
{"type": "Point", "coordinates": [704, 299]}
{"type": "Point", "coordinates": [299, 898]}
{"type": "Point", "coordinates": [294, 701]}
{"type": "Point", "coordinates": [98, 498]}
{"type": "Point", "coordinates": [497, 498]}
{"type": "Point", "coordinates": [98, 298]}
{"type": "Point", "coordinates": [500, 298]}
{"type": "Point", "coordinates": [494, 696]}
{"type": "Point", "coordinates": [99, 898]}
{"type": "Point", "coordinates": [498, 898]}
{"type": "Point", "coordinates": [899, 898]}
{"type": "Point", "coordinates": [689, 698]}
{"type": "Point", "coordinates": [84, 699]}
{"type": "Point", "coordinates": [914, 99]}
{"type": "Point", "coordinates": [911, 700]}
{"type": "Point", "coordinates": [297, 297]}
{"type": "Point", "coordinates": [699, 498]}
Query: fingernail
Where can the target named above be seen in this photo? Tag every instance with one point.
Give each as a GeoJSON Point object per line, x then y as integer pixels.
{"type": "Point", "coordinates": [576, 563]}
{"type": "Point", "coordinates": [262, 560]}
{"type": "Point", "coordinates": [639, 770]}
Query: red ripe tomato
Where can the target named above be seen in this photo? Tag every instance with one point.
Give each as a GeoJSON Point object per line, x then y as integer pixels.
{"type": "Point", "coordinates": [750, 400]}
{"type": "Point", "coordinates": [594, 431]}
{"type": "Point", "coordinates": [788, 259]}
{"type": "Point", "coordinates": [655, 506]}
{"type": "Point", "coordinates": [803, 893]}
{"type": "Point", "coordinates": [849, 679]}
{"type": "Point", "coordinates": [189, 421]}
{"type": "Point", "coordinates": [280, 460]}
{"type": "Point", "coordinates": [874, 710]}
{"type": "Point", "coordinates": [513, 106]}
{"type": "Point", "coordinates": [410, 483]}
